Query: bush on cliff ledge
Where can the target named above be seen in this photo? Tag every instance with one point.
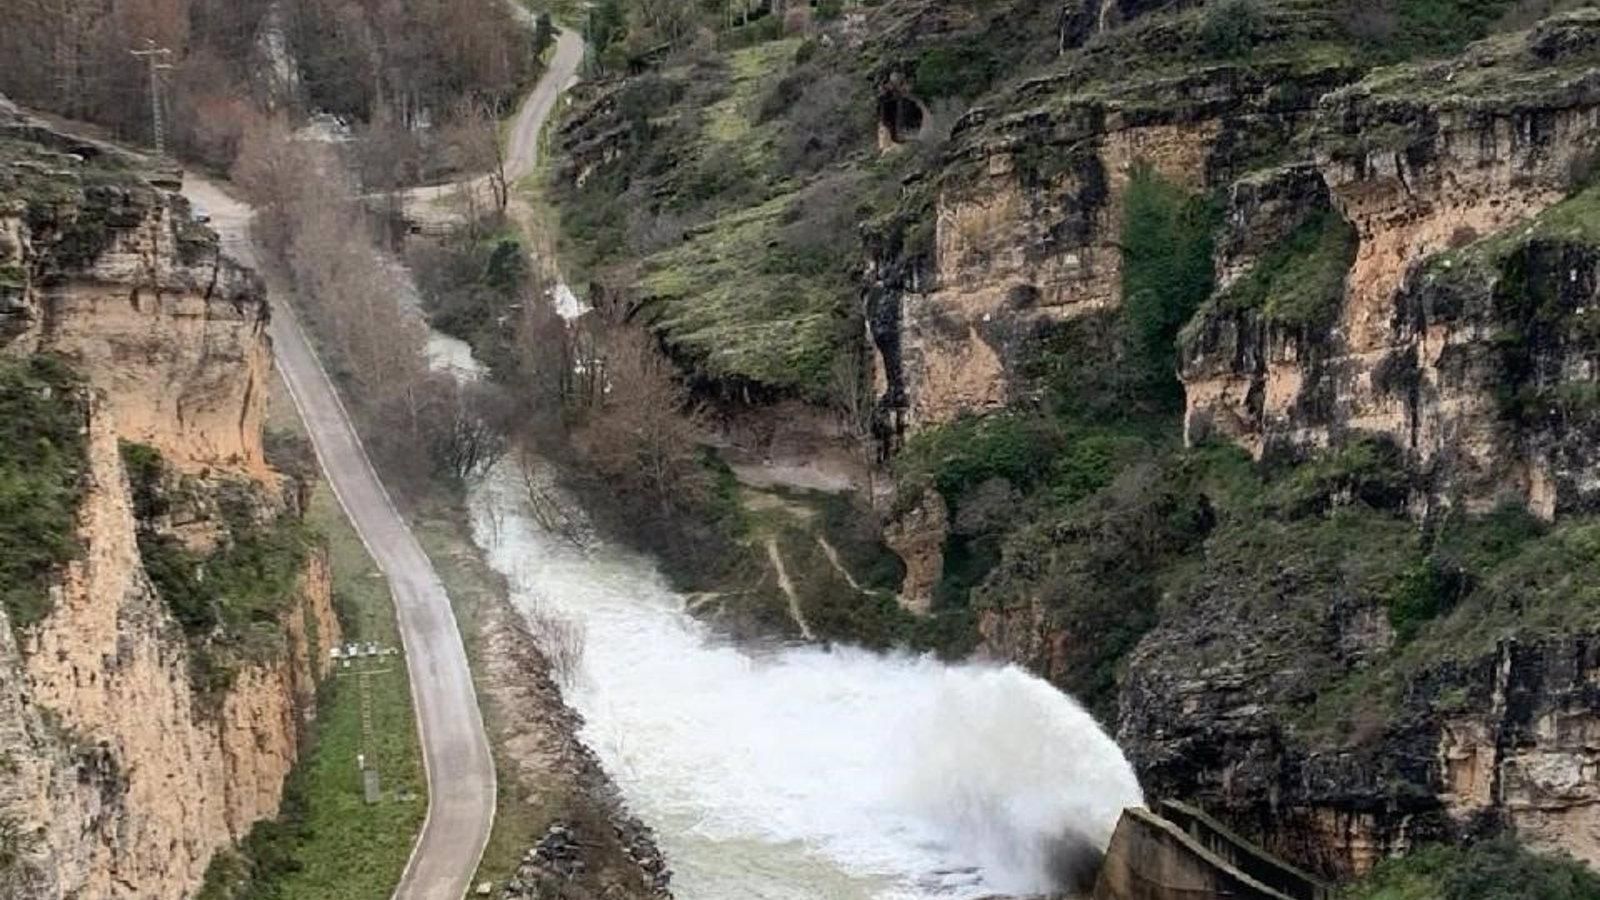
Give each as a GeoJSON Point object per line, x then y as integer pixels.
{"type": "Point", "coordinates": [42, 461]}
{"type": "Point", "coordinates": [1499, 869]}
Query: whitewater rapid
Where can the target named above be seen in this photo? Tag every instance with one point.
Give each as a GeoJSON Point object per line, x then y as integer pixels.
{"type": "Point", "coordinates": [802, 773]}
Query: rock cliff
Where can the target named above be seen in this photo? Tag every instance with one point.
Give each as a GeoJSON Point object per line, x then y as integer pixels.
{"type": "Point", "coordinates": [134, 744]}
{"type": "Point", "coordinates": [1432, 167]}
{"type": "Point", "coordinates": [1300, 522]}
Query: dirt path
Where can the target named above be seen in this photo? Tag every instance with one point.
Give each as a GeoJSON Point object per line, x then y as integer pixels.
{"type": "Point", "coordinates": [787, 586]}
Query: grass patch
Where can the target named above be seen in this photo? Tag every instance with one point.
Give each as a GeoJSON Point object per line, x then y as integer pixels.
{"type": "Point", "coordinates": [326, 843]}
{"type": "Point", "coordinates": [753, 71]}
{"type": "Point", "coordinates": [743, 301]}
{"type": "Point", "coordinates": [1300, 282]}
{"type": "Point", "coordinates": [43, 457]}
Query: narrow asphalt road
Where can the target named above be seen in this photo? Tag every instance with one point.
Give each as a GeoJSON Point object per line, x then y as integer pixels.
{"type": "Point", "coordinates": [460, 770]}
{"type": "Point", "coordinates": [437, 203]}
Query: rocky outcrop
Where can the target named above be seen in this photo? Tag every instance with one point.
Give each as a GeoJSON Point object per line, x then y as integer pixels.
{"type": "Point", "coordinates": [129, 760]}
{"type": "Point", "coordinates": [1023, 227]}
{"type": "Point", "coordinates": [1501, 739]}
{"type": "Point", "coordinates": [109, 271]}
{"type": "Point", "coordinates": [1422, 163]}
{"type": "Point", "coordinates": [130, 779]}
{"type": "Point", "coordinates": [917, 536]}
{"type": "Point", "coordinates": [1457, 331]}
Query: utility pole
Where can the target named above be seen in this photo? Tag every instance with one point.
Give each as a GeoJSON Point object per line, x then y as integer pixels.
{"type": "Point", "coordinates": [157, 58]}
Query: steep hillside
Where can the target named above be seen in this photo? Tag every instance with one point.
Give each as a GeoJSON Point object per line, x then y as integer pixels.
{"type": "Point", "coordinates": [166, 617]}
{"type": "Point", "coordinates": [1228, 362]}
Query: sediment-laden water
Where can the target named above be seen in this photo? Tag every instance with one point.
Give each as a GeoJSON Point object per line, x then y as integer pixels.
{"type": "Point", "coordinates": [803, 773]}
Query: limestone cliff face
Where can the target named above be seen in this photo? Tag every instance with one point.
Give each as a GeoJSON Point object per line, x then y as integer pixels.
{"type": "Point", "coordinates": [1419, 163]}
{"type": "Point", "coordinates": [113, 274]}
{"type": "Point", "coordinates": [1458, 332]}
{"type": "Point", "coordinates": [1501, 739]}
{"type": "Point", "coordinates": [127, 778]}
{"type": "Point", "coordinates": [124, 770]}
{"type": "Point", "coordinates": [1022, 227]}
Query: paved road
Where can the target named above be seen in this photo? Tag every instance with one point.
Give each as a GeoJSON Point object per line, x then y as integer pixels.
{"type": "Point", "coordinates": [461, 777]}
{"type": "Point", "coordinates": [522, 146]}
{"type": "Point", "coordinates": [438, 204]}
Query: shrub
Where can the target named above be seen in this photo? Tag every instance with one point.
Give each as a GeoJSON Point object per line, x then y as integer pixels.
{"type": "Point", "coordinates": [963, 454]}
{"type": "Point", "coordinates": [1422, 593]}
{"type": "Point", "coordinates": [1166, 274]}
{"type": "Point", "coordinates": [1230, 28]}
{"type": "Point", "coordinates": [42, 463]}
{"type": "Point", "coordinates": [1498, 869]}
{"type": "Point", "coordinates": [1299, 283]}
{"type": "Point", "coordinates": [963, 70]}
{"type": "Point", "coordinates": [1366, 471]}
{"type": "Point", "coordinates": [217, 599]}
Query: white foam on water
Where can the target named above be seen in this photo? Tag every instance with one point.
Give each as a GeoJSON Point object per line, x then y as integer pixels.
{"type": "Point", "coordinates": [803, 772]}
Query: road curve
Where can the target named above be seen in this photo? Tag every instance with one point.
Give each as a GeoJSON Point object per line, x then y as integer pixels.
{"type": "Point", "coordinates": [455, 748]}
{"type": "Point", "coordinates": [437, 203]}
{"type": "Point", "coordinates": [522, 144]}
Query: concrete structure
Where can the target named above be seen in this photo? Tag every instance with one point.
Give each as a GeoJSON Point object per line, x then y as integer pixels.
{"type": "Point", "coordinates": [1183, 854]}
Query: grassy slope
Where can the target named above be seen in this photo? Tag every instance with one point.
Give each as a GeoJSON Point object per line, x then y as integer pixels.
{"type": "Point", "coordinates": [355, 850]}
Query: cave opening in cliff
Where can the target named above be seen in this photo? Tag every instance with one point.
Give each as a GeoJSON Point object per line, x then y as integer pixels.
{"type": "Point", "coordinates": [900, 117]}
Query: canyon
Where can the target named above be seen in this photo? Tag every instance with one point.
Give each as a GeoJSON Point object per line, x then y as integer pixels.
{"type": "Point", "coordinates": [133, 751]}
{"type": "Point", "coordinates": [1299, 536]}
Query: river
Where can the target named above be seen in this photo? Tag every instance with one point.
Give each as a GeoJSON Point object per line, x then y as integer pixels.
{"type": "Point", "coordinates": [803, 773]}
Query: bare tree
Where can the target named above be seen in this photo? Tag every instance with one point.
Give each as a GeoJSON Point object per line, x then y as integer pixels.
{"type": "Point", "coordinates": [559, 638]}
{"type": "Point", "coordinates": [466, 431]}
{"type": "Point", "coordinates": [474, 140]}
{"type": "Point", "coordinates": [642, 431]}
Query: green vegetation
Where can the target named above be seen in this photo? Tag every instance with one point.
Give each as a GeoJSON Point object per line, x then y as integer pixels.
{"type": "Point", "coordinates": [72, 199]}
{"type": "Point", "coordinates": [326, 843]}
{"type": "Point", "coordinates": [956, 70]}
{"type": "Point", "coordinates": [1503, 67]}
{"type": "Point", "coordinates": [470, 282]}
{"type": "Point", "coordinates": [230, 602]}
{"type": "Point", "coordinates": [760, 296]}
{"type": "Point", "coordinates": [1230, 28]}
{"type": "Point", "coordinates": [1166, 273]}
{"type": "Point", "coordinates": [1491, 870]}
{"type": "Point", "coordinates": [43, 458]}
{"type": "Point", "coordinates": [1299, 283]}
{"type": "Point", "coordinates": [1392, 30]}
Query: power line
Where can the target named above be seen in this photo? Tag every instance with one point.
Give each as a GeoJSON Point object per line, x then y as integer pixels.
{"type": "Point", "coordinates": [157, 58]}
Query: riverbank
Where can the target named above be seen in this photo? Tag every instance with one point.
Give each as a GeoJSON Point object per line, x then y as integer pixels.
{"type": "Point", "coordinates": [328, 843]}
{"type": "Point", "coordinates": [550, 783]}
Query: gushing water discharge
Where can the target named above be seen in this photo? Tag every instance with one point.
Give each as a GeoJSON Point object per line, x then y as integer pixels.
{"type": "Point", "coordinates": [805, 773]}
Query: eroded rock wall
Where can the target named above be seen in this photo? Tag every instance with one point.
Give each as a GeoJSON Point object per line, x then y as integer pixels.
{"type": "Point", "coordinates": [125, 769]}
{"type": "Point", "coordinates": [130, 778]}
{"type": "Point", "coordinates": [114, 274]}
{"type": "Point", "coordinates": [1421, 163]}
